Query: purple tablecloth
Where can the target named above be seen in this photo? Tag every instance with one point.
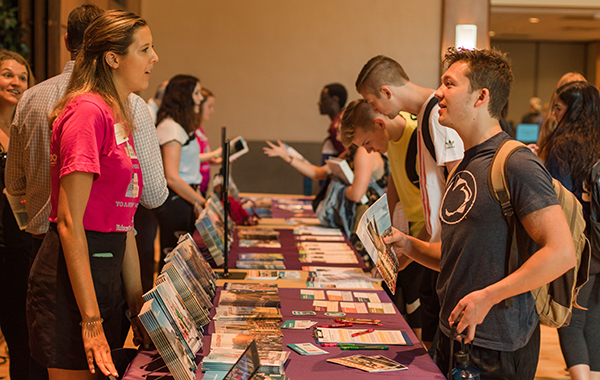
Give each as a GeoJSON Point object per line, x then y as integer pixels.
{"type": "Point", "coordinates": [289, 251]}
{"type": "Point", "coordinates": [420, 365]}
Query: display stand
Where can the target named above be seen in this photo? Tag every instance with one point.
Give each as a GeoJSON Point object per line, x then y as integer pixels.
{"type": "Point", "coordinates": [226, 207]}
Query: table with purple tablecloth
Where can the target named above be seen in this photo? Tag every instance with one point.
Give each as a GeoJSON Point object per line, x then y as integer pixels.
{"type": "Point", "coordinates": [315, 367]}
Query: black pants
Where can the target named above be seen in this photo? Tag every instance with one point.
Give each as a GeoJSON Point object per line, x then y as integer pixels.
{"type": "Point", "coordinates": [495, 365]}
{"type": "Point", "coordinates": [175, 216]}
{"type": "Point", "coordinates": [146, 224]}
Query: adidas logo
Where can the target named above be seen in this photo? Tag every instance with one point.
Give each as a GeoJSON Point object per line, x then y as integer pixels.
{"type": "Point", "coordinates": [449, 144]}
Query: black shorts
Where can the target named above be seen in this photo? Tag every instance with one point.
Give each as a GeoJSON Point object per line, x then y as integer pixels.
{"type": "Point", "coordinates": [52, 313]}
{"type": "Point", "coordinates": [495, 365]}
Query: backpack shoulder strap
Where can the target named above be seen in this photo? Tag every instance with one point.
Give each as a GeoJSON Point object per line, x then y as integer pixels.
{"type": "Point", "coordinates": [425, 130]}
{"type": "Point", "coordinates": [410, 163]}
{"type": "Point", "coordinates": [497, 181]}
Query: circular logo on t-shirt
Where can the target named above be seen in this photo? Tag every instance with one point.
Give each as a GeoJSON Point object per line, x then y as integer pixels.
{"type": "Point", "coordinates": [459, 198]}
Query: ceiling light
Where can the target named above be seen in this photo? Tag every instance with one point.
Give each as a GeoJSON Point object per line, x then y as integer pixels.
{"type": "Point", "coordinates": [534, 20]}
{"type": "Point", "coordinates": [491, 33]}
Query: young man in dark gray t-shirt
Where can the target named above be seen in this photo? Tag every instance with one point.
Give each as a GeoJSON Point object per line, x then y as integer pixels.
{"type": "Point", "coordinates": [472, 255]}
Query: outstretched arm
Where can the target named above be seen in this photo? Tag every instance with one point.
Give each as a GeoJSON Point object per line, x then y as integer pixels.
{"type": "Point", "coordinates": [548, 228]}
{"type": "Point", "coordinates": [316, 173]}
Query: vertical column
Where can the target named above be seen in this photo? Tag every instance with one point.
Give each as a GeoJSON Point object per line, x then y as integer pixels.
{"type": "Point", "coordinates": [465, 12]}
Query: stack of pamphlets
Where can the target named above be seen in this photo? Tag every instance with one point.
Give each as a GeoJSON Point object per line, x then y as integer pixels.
{"type": "Point", "coordinates": [326, 252]}
{"type": "Point", "coordinates": [374, 225]}
{"type": "Point", "coordinates": [258, 233]}
{"type": "Point", "coordinates": [260, 261]}
{"type": "Point", "coordinates": [249, 294]}
{"type": "Point", "coordinates": [165, 295]}
{"type": "Point", "coordinates": [375, 363]}
{"type": "Point", "coordinates": [178, 307]}
{"type": "Point", "coordinates": [338, 277]}
{"type": "Point", "coordinates": [271, 362]}
{"type": "Point", "coordinates": [247, 313]}
{"type": "Point", "coordinates": [167, 341]}
{"type": "Point", "coordinates": [187, 250]}
{"type": "Point", "coordinates": [211, 228]}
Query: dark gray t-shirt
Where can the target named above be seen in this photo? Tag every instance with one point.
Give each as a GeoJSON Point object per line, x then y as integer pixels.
{"type": "Point", "coordinates": [474, 240]}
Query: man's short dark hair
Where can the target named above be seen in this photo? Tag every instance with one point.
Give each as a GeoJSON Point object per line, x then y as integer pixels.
{"type": "Point", "coordinates": [380, 71]}
{"type": "Point", "coordinates": [78, 21]}
{"type": "Point", "coordinates": [337, 89]}
{"type": "Point", "coordinates": [488, 68]}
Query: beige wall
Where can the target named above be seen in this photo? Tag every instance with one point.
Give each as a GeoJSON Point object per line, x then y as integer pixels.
{"type": "Point", "coordinates": [537, 67]}
{"type": "Point", "coordinates": [267, 60]}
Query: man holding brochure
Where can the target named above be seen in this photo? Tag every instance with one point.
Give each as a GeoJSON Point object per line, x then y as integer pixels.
{"type": "Point", "coordinates": [472, 254]}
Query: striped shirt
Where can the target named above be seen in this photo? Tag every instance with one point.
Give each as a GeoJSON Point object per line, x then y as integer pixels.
{"type": "Point", "coordinates": [28, 159]}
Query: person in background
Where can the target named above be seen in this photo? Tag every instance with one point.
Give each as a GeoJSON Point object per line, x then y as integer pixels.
{"type": "Point", "coordinates": [384, 84]}
{"type": "Point", "coordinates": [535, 110]}
{"type": "Point", "coordinates": [155, 102]}
{"type": "Point", "coordinates": [371, 172]}
{"type": "Point", "coordinates": [15, 244]}
{"type": "Point", "coordinates": [331, 102]}
{"type": "Point", "coordinates": [207, 107]}
{"type": "Point", "coordinates": [88, 257]}
{"type": "Point", "coordinates": [549, 124]}
{"type": "Point", "coordinates": [377, 133]}
{"type": "Point", "coordinates": [178, 119]}
{"type": "Point", "coordinates": [572, 151]}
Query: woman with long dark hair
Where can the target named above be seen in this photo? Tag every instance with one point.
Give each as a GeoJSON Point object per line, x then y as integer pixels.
{"type": "Point", "coordinates": [177, 121]}
{"type": "Point", "coordinates": [572, 150]}
{"type": "Point", "coordinates": [87, 267]}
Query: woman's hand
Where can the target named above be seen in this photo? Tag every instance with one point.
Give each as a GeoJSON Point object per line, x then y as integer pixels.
{"type": "Point", "coordinates": [277, 151]}
{"type": "Point", "coordinates": [97, 349]}
{"type": "Point", "coordinates": [140, 335]}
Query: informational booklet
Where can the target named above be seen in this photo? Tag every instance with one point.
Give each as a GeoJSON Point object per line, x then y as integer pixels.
{"type": "Point", "coordinates": [366, 297]}
{"type": "Point", "coordinates": [354, 307]}
{"type": "Point", "coordinates": [337, 295]}
{"type": "Point", "coordinates": [374, 225]}
{"type": "Point", "coordinates": [329, 306]}
{"type": "Point", "coordinates": [260, 257]}
{"type": "Point", "coordinates": [298, 325]}
{"type": "Point", "coordinates": [388, 337]}
{"type": "Point", "coordinates": [254, 243]}
{"type": "Point", "coordinates": [268, 275]}
{"type": "Point", "coordinates": [307, 349]}
{"type": "Point", "coordinates": [376, 363]}
{"type": "Point", "coordinates": [310, 294]}
{"type": "Point", "coordinates": [381, 308]}
{"type": "Point", "coordinates": [241, 313]}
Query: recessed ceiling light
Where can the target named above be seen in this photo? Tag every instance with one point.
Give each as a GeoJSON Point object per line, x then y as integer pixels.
{"type": "Point", "coordinates": [491, 33]}
{"type": "Point", "coordinates": [534, 20]}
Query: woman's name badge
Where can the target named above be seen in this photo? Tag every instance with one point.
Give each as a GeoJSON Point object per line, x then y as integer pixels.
{"type": "Point", "coordinates": [120, 134]}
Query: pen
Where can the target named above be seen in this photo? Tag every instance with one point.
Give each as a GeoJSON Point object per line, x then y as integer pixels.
{"type": "Point", "coordinates": [335, 325]}
{"type": "Point", "coordinates": [346, 348]}
{"type": "Point", "coordinates": [328, 344]}
{"type": "Point", "coordinates": [362, 332]}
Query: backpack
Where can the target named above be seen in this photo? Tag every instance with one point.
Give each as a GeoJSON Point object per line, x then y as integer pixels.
{"type": "Point", "coordinates": [555, 300]}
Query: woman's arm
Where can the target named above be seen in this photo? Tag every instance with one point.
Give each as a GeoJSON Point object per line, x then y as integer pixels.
{"type": "Point", "coordinates": [171, 154]}
{"type": "Point", "coordinates": [316, 173]}
{"type": "Point", "coordinates": [132, 284]}
{"type": "Point", "coordinates": [363, 168]}
{"type": "Point", "coordinates": [73, 196]}
{"type": "Point", "coordinates": [209, 156]}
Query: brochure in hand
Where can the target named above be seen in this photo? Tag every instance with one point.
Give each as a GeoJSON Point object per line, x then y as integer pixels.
{"type": "Point", "coordinates": [374, 225]}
